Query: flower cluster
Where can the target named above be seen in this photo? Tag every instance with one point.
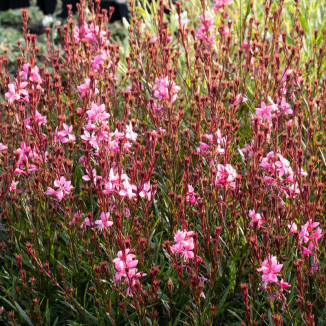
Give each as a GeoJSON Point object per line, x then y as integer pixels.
{"type": "Point", "coordinates": [279, 172]}
{"type": "Point", "coordinates": [226, 176]}
{"type": "Point", "coordinates": [125, 264]}
{"type": "Point", "coordinates": [270, 269]}
{"type": "Point", "coordinates": [184, 244]}
{"type": "Point", "coordinates": [309, 236]}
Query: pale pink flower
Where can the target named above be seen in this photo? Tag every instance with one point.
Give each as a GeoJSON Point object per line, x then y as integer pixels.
{"type": "Point", "coordinates": [202, 280]}
{"type": "Point", "coordinates": [240, 99]}
{"type": "Point", "coordinates": [63, 186]}
{"type": "Point", "coordinates": [90, 138]}
{"type": "Point", "coordinates": [77, 217]}
{"type": "Point", "coordinates": [125, 264]}
{"type": "Point", "coordinates": [270, 269]}
{"type": "Point", "coordinates": [153, 106]}
{"type": "Point", "coordinates": [164, 89]}
{"type": "Point", "coordinates": [265, 112]}
{"type": "Point", "coordinates": [17, 93]}
{"type": "Point", "coordinates": [34, 74]}
{"type": "Point", "coordinates": [293, 227]}
{"type": "Point", "coordinates": [268, 162]}
{"type": "Point", "coordinates": [85, 88]}
{"type": "Point", "coordinates": [206, 32]}
{"type": "Point", "coordinates": [92, 33]}
{"type": "Point", "coordinates": [285, 74]}
{"type": "Point", "coordinates": [88, 176]}
{"type": "Point", "coordinates": [218, 4]}
{"type": "Point", "coordinates": [2, 147]}
{"type": "Point", "coordinates": [38, 118]}
{"type": "Point", "coordinates": [130, 134]}
{"type": "Point", "coordinates": [97, 113]}
{"type": "Point", "coordinates": [146, 191]}
{"type": "Point", "coordinates": [191, 196]}
{"type": "Point", "coordinates": [127, 190]}
{"type": "Point", "coordinates": [306, 251]}
{"type": "Point", "coordinates": [183, 19]}
{"type": "Point", "coordinates": [256, 218]}
{"type": "Point", "coordinates": [65, 135]}
{"type": "Point", "coordinates": [87, 222]}
{"type": "Point", "coordinates": [309, 234]}
{"type": "Point", "coordinates": [104, 221]}
{"type": "Point", "coordinates": [285, 107]}
{"type": "Point", "coordinates": [13, 186]}
{"type": "Point", "coordinates": [248, 150]}
{"type": "Point", "coordinates": [215, 146]}
{"type": "Point", "coordinates": [100, 60]}
{"type": "Point", "coordinates": [184, 244]}
{"type": "Point", "coordinates": [226, 176]}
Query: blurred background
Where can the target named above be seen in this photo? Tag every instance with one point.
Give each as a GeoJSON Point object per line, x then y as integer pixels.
{"type": "Point", "coordinates": [59, 7]}
{"type": "Point", "coordinates": [43, 14]}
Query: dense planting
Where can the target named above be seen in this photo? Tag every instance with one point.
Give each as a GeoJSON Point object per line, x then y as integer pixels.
{"type": "Point", "coordinates": [174, 179]}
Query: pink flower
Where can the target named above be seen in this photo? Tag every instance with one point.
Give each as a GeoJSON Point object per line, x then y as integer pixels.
{"type": "Point", "coordinates": [125, 264]}
{"type": "Point", "coordinates": [99, 61]}
{"type": "Point", "coordinates": [206, 32]}
{"type": "Point", "coordinates": [191, 196]}
{"type": "Point", "coordinates": [270, 269]}
{"type": "Point", "coordinates": [65, 136]}
{"type": "Point", "coordinates": [2, 147]}
{"type": "Point", "coordinates": [113, 184]}
{"type": "Point", "coordinates": [34, 74]}
{"type": "Point", "coordinates": [146, 191]}
{"type": "Point", "coordinates": [97, 113]}
{"type": "Point", "coordinates": [63, 188]}
{"type": "Point", "coordinates": [77, 216]}
{"type": "Point", "coordinates": [104, 221]}
{"type": "Point", "coordinates": [88, 176]}
{"type": "Point", "coordinates": [285, 74]}
{"type": "Point", "coordinates": [87, 221]}
{"type": "Point", "coordinates": [92, 33]}
{"type": "Point", "coordinates": [265, 112]}
{"type": "Point", "coordinates": [154, 107]}
{"type": "Point", "coordinates": [309, 234]}
{"type": "Point", "coordinates": [293, 227]}
{"type": "Point", "coordinates": [244, 45]}
{"type": "Point", "coordinates": [38, 118]}
{"type": "Point", "coordinates": [130, 134]}
{"type": "Point", "coordinates": [84, 89]}
{"type": "Point", "coordinates": [240, 99]}
{"type": "Point", "coordinates": [164, 89]}
{"type": "Point", "coordinates": [285, 107]}
{"type": "Point", "coordinates": [127, 190]}
{"type": "Point", "coordinates": [221, 3]}
{"type": "Point", "coordinates": [184, 244]}
{"type": "Point", "coordinates": [283, 285]}
{"type": "Point", "coordinates": [17, 93]}
{"type": "Point", "coordinates": [283, 166]}
{"type": "Point", "coordinates": [202, 280]}
{"type": "Point", "coordinates": [215, 142]}
{"type": "Point", "coordinates": [268, 162]}
{"type": "Point", "coordinates": [277, 165]}
{"type": "Point", "coordinates": [226, 176]}
{"type": "Point", "coordinates": [256, 218]}
{"type": "Point", "coordinates": [13, 186]}
{"type": "Point", "coordinates": [306, 251]}
{"type": "Point", "coordinates": [248, 150]}
{"type": "Point", "coordinates": [90, 138]}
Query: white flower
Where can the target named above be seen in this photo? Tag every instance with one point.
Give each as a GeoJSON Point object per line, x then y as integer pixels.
{"type": "Point", "coordinates": [47, 20]}
{"type": "Point", "coordinates": [183, 17]}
